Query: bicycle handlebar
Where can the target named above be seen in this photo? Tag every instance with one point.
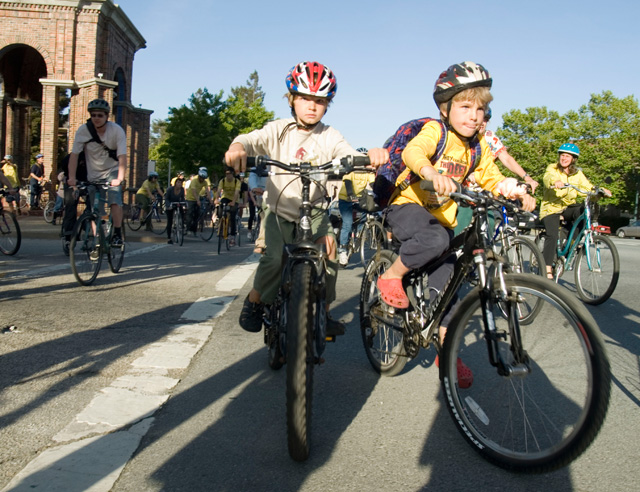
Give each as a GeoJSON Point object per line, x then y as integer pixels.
{"type": "Point", "coordinates": [595, 191]}
{"type": "Point", "coordinates": [342, 165]}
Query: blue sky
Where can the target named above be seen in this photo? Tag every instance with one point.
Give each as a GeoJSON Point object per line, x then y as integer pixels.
{"type": "Point", "coordinates": [386, 54]}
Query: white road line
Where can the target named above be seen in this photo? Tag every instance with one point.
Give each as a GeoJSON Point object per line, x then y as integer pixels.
{"type": "Point", "coordinates": [92, 450]}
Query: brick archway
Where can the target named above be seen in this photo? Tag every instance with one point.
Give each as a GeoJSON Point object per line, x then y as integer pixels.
{"type": "Point", "coordinates": [84, 47]}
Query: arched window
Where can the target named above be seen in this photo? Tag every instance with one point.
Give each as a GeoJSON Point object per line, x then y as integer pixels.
{"type": "Point", "coordinates": [120, 95]}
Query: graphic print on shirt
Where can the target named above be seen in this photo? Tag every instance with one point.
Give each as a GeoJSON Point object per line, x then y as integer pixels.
{"type": "Point", "coordinates": [453, 168]}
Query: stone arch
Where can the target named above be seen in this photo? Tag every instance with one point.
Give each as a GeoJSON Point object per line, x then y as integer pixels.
{"type": "Point", "coordinates": [21, 97]}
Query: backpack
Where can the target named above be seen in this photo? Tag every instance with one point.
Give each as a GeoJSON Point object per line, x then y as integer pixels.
{"type": "Point", "coordinates": [384, 186]}
{"type": "Point", "coordinates": [81, 170]}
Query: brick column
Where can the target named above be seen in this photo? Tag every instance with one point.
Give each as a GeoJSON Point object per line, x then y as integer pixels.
{"type": "Point", "coordinates": [49, 130]}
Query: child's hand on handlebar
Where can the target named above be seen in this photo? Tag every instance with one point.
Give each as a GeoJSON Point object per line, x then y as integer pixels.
{"type": "Point", "coordinates": [236, 157]}
{"type": "Point", "coordinates": [510, 188]}
{"type": "Point", "coordinates": [378, 157]}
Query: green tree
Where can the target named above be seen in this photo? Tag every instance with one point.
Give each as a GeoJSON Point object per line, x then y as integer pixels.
{"type": "Point", "coordinates": [245, 109]}
{"type": "Point", "coordinates": [195, 135]}
{"type": "Point", "coordinates": [158, 147]}
{"type": "Point", "coordinates": [606, 129]}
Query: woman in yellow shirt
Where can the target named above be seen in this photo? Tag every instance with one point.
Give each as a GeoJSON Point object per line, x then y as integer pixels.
{"type": "Point", "coordinates": [559, 201]}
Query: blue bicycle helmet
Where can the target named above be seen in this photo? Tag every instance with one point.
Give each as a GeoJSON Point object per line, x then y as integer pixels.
{"type": "Point", "coordinates": [487, 114]}
{"type": "Point", "coordinates": [202, 172]}
{"type": "Point", "coordinates": [569, 148]}
{"type": "Point", "coordinates": [153, 174]}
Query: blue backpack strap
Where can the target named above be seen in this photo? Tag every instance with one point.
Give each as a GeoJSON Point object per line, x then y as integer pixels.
{"type": "Point", "coordinates": [440, 146]}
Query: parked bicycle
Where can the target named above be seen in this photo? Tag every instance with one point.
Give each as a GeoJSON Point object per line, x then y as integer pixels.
{"type": "Point", "coordinates": [92, 237]}
{"type": "Point", "coordinates": [295, 324]}
{"type": "Point", "coordinates": [540, 391]}
{"type": "Point", "coordinates": [10, 235]}
{"type": "Point", "coordinates": [593, 257]}
{"type": "Point", "coordinates": [155, 217]}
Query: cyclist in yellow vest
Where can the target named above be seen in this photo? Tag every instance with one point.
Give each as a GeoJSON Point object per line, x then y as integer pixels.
{"type": "Point", "coordinates": [229, 192]}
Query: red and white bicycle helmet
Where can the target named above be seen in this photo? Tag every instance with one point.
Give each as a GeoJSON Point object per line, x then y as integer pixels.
{"type": "Point", "coordinates": [313, 79]}
{"type": "Point", "coordinates": [458, 78]}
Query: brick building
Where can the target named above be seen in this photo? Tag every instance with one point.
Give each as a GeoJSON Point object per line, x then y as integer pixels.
{"type": "Point", "coordinates": [83, 47]}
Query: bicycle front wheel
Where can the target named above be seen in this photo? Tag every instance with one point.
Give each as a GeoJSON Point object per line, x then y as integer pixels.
{"type": "Point", "coordinates": [48, 211]}
{"type": "Point", "coordinates": [178, 229]}
{"type": "Point", "coordinates": [373, 237]}
{"type": "Point", "coordinates": [85, 251]}
{"type": "Point", "coordinates": [116, 254]}
{"type": "Point", "coordinates": [10, 235]}
{"type": "Point", "coordinates": [380, 328]}
{"type": "Point", "coordinates": [133, 217]}
{"type": "Point", "coordinates": [550, 407]}
{"type": "Point", "coordinates": [205, 225]}
{"type": "Point", "coordinates": [300, 359]}
{"type": "Point", "coordinates": [597, 269]}
{"type": "Point", "coordinates": [158, 220]}
{"type": "Point", "coordinates": [222, 227]}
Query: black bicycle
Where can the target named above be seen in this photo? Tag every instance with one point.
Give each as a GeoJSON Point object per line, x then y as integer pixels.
{"type": "Point", "coordinates": [92, 237]}
{"type": "Point", "coordinates": [540, 390]}
{"type": "Point", "coordinates": [178, 227]}
{"type": "Point", "coordinates": [155, 217]}
{"type": "Point", "coordinates": [295, 324]}
{"type": "Point", "coordinates": [10, 235]}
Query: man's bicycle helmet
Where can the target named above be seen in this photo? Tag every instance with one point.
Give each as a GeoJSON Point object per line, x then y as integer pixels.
{"type": "Point", "coordinates": [458, 78]}
{"type": "Point", "coordinates": [569, 148]}
{"type": "Point", "coordinates": [312, 79]}
{"type": "Point", "coordinates": [202, 172]}
{"type": "Point", "coordinates": [99, 104]}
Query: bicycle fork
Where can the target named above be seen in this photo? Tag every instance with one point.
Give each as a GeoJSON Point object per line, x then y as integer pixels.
{"type": "Point", "coordinates": [488, 287]}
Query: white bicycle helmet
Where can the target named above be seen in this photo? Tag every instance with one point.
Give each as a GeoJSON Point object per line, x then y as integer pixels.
{"type": "Point", "coordinates": [458, 78]}
{"type": "Point", "coordinates": [313, 79]}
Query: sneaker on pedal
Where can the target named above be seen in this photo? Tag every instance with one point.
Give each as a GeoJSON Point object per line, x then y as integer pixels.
{"type": "Point", "coordinates": [116, 242]}
{"type": "Point", "coordinates": [335, 328]}
{"type": "Point", "coordinates": [251, 316]}
{"type": "Point", "coordinates": [94, 255]}
{"type": "Point", "coordinates": [343, 258]}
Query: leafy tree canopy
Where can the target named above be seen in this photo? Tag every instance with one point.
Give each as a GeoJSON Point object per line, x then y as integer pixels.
{"type": "Point", "coordinates": [198, 134]}
{"type": "Point", "coordinates": [606, 130]}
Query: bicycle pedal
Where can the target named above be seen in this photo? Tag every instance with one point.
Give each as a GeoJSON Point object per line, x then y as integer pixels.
{"type": "Point", "coordinates": [330, 338]}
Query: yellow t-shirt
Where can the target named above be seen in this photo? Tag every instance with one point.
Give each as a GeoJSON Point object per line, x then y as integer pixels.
{"type": "Point", "coordinates": [229, 188]}
{"type": "Point", "coordinates": [455, 163]}
{"type": "Point", "coordinates": [360, 182]}
{"type": "Point", "coordinates": [11, 173]}
{"type": "Point", "coordinates": [148, 188]}
{"type": "Point", "coordinates": [555, 200]}
{"type": "Point", "coordinates": [197, 189]}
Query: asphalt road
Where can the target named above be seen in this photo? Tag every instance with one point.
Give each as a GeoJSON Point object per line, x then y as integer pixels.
{"type": "Point", "coordinates": [212, 415]}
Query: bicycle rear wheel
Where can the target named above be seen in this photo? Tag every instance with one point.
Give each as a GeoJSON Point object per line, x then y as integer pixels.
{"type": "Point", "coordinates": [382, 336]}
{"type": "Point", "coordinates": [10, 235]}
{"type": "Point", "coordinates": [133, 217]}
{"type": "Point", "coordinates": [550, 409]}
{"type": "Point", "coordinates": [47, 213]}
{"type": "Point", "coordinates": [205, 225]}
{"type": "Point", "coordinates": [85, 251]}
{"type": "Point", "coordinates": [116, 254]}
{"type": "Point", "coordinates": [597, 269]}
{"type": "Point", "coordinates": [300, 359]}
{"type": "Point", "coordinates": [373, 237]}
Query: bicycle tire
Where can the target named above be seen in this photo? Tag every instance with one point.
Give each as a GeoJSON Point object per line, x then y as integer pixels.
{"type": "Point", "coordinates": [540, 419]}
{"type": "Point", "coordinates": [373, 238]}
{"type": "Point", "coordinates": [206, 227]}
{"type": "Point", "coordinates": [159, 223]}
{"type": "Point", "coordinates": [597, 269]}
{"type": "Point", "coordinates": [300, 359]}
{"type": "Point", "coordinates": [525, 257]}
{"type": "Point", "coordinates": [10, 234]}
{"type": "Point", "coordinates": [85, 251]}
{"type": "Point", "coordinates": [222, 225]}
{"type": "Point", "coordinates": [133, 218]}
{"type": "Point", "coordinates": [47, 213]}
{"type": "Point", "coordinates": [178, 229]}
{"type": "Point", "coordinates": [383, 343]}
{"type": "Point", "coordinates": [116, 254]}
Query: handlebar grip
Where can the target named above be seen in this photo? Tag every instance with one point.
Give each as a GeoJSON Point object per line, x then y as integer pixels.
{"type": "Point", "coordinates": [428, 186]}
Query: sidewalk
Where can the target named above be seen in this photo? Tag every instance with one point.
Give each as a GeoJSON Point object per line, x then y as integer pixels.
{"type": "Point", "coordinates": [34, 227]}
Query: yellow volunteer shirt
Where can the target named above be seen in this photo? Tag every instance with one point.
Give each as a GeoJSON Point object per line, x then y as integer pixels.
{"type": "Point", "coordinates": [554, 200]}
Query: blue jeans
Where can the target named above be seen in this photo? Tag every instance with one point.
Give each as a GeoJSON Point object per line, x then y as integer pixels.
{"type": "Point", "coordinates": [346, 212]}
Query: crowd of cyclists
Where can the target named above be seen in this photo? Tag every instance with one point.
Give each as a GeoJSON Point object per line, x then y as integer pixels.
{"type": "Point", "coordinates": [422, 221]}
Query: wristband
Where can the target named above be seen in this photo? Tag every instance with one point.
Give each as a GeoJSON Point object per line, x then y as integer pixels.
{"type": "Point", "coordinates": [525, 175]}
